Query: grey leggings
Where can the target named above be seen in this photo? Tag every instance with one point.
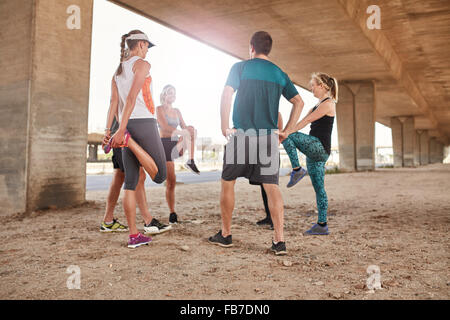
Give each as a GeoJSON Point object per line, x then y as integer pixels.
{"type": "Point", "coordinates": [145, 133]}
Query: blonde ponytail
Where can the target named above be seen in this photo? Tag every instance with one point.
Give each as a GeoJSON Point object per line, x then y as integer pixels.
{"type": "Point", "coordinates": [328, 82]}
{"type": "Point", "coordinates": [334, 90]}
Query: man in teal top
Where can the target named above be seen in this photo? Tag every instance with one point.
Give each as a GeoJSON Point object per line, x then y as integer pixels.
{"type": "Point", "coordinates": [259, 84]}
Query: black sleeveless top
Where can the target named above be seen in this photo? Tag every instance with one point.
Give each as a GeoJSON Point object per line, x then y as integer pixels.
{"type": "Point", "coordinates": [321, 128]}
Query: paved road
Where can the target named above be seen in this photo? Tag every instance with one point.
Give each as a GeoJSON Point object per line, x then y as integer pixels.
{"type": "Point", "coordinates": [102, 182]}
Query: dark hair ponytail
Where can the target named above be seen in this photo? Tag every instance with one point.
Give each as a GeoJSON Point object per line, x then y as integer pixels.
{"type": "Point", "coordinates": [124, 52]}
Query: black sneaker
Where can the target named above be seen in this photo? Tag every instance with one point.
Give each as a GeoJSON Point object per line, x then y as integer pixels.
{"type": "Point", "coordinates": [265, 221]}
{"type": "Point", "coordinates": [219, 240]}
{"type": "Point", "coordinates": [279, 249]}
{"type": "Point", "coordinates": [156, 227]}
{"type": "Point", "coordinates": [173, 218]}
{"type": "Point", "coordinates": [191, 166]}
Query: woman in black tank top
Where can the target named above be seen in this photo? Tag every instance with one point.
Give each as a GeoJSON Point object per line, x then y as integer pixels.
{"type": "Point", "coordinates": [315, 146]}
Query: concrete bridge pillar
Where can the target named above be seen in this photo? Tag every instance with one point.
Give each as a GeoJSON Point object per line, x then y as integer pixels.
{"type": "Point", "coordinates": [355, 114]}
{"type": "Point", "coordinates": [440, 152]}
{"type": "Point", "coordinates": [409, 141]}
{"type": "Point", "coordinates": [93, 153]}
{"type": "Point", "coordinates": [434, 153]}
{"type": "Point", "coordinates": [397, 141]}
{"type": "Point", "coordinates": [417, 148]}
{"type": "Point", "coordinates": [424, 147]}
{"type": "Point", "coordinates": [44, 89]}
{"type": "Point", "coordinates": [403, 141]}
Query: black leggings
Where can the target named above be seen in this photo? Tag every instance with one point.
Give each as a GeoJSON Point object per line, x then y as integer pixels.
{"type": "Point", "coordinates": [266, 204]}
{"type": "Point", "coordinates": [145, 133]}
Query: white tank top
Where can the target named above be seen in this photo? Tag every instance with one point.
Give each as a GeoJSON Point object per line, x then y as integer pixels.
{"type": "Point", "coordinates": [124, 82]}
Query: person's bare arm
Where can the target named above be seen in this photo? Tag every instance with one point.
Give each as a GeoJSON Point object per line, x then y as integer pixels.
{"type": "Point", "coordinates": [225, 109]}
{"type": "Point", "coordinates": [112, 111]}
{"type": "Point", "coordinates": [297, 107]}
{"type": "Point", "coordinates": [280, 121]}
{"type": "Point", "coordinates": [113, 104]}
{"type": "Point", "coordinates": [280, 126]}
{"type": "Point", "coordinates": [324, 109]}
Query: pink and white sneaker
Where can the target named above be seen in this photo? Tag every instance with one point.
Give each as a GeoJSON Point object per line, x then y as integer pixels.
{"type": "Point", "coordinates": [134, 242]}
{"type": "Point", "coordinates": [107, 147]}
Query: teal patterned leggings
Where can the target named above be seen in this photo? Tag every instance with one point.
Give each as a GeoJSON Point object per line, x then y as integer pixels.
{"type": "Point", "coordinates": [316, 157]}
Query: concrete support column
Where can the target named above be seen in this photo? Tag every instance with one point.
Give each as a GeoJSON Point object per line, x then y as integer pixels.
{"type": "Point", "coordinates": [440, 152]}
{"type": "Point", "coordinates": [424, 147]}
{"type": "Point", "coordinates": [433, 150]}
{"type": "Point", "coordinates": [346, 129]}
{"type": "Point", "coordinates": [355, 114]}
{"type": "Point", "coordinates": [93, 154]}
{"type": "Point", "coordinates": [409, 141]}
{"type": "Point", "coordinates": [15, 52]}
{"type": "Point", "coordinates": [44, 85]}
{"type": "Point", "coordinates": [417, 148]}
{"type": "Point", "coordinates": [403, 141]}
{"type": "Point", "coordinates": [397, 141]}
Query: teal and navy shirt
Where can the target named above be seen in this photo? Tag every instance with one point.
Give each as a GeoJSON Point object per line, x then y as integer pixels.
{"type": "Point", "coordinates": [259, 84]}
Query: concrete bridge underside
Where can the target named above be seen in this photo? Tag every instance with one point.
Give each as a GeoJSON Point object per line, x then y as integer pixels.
{"type": "Point", "coordinates": [398, 75]}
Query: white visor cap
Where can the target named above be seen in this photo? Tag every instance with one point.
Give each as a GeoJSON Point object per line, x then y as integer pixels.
{"type": "Point", "coordinates": [140, 36]}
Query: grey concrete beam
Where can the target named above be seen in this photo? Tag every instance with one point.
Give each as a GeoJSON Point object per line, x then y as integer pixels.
{"type": "Point", "coordinates": [356, 10]}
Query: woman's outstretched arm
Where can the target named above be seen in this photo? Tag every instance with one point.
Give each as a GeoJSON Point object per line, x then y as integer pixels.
{"type": "Point", "coordinates": [322, 110]}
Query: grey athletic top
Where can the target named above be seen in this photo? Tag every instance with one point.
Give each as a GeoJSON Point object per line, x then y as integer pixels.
{"type": "Point", "coordinates": [173, 122]}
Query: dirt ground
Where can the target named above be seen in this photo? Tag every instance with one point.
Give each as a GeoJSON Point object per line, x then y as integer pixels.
{"type": "Point", "coordinates": [396, 219]}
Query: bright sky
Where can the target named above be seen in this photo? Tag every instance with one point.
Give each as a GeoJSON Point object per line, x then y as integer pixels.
{"type": "Point", "coordinates": [197, 71]}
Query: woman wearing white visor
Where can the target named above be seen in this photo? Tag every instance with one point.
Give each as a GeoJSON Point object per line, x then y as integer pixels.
{"type": "Point", "coordinates": [132, 85]}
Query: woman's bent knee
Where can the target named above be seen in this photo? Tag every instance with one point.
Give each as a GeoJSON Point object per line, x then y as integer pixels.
{"type": "Point", "coordinates": [130, 185]}
{"type": "Point", "coordinates": [161, 176]}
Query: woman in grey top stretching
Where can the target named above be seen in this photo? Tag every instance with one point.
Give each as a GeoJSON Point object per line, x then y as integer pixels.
{"type": "Point", "coordinates": [174, 141]}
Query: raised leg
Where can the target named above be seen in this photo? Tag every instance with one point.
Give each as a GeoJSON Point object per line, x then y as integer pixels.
{"type": "Point", "coordinates": [144, 158]}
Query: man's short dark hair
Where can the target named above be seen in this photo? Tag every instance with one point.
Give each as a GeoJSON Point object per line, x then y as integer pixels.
{"type": "Point", "coordinates": [261, 42]}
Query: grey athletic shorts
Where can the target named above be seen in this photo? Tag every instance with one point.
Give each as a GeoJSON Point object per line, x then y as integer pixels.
{"type": "Point", "coordinates": [256, 158]}
{"type": "Point", "coordinates": [170, 150]}
{"type": "Point", "coordinates": [145, 133]}
{"type": "Point", "coordinates": [117, 159]}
